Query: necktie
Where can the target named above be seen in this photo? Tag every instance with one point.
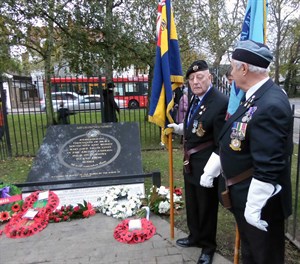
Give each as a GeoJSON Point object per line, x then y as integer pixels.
{"type": "Point", "coordinates": [194, 106]}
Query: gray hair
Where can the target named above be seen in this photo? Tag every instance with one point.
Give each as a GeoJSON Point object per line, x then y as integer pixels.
{"type": "Point", "coordinates": [252, 68]}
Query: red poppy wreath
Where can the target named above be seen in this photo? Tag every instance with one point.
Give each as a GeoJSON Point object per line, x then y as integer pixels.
{"type": "Point", "coordinates": [10, 201]}
{"type": "Point", "coordinates": [124, 235]}
{"type": "Point", "coordinates": [21, 226]}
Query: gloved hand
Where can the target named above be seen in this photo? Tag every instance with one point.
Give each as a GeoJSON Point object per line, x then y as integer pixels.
{"type": "Point", "coordinates": [177, 129]}
{"type": "Point", "coordinates": [212, 170]}
{"type": "Point", "coordinates": [258, 195]}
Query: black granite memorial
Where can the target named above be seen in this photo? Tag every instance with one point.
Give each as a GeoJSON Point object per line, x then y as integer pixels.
{"type": "Point", "coordinates": [75, 156]}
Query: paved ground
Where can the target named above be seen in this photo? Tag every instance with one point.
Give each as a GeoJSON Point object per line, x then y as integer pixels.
{"type": "Point", "coordinates": [90, 241]}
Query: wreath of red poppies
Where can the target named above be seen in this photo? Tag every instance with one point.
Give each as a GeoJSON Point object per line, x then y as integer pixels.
{"type": "Point", "coordinates": [19, 226]}
{"type": "Point", "coordinates": [123, 235]}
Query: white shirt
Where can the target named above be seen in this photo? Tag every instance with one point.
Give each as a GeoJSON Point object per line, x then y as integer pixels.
{"type": "Point", "coordinates": [255, 87]}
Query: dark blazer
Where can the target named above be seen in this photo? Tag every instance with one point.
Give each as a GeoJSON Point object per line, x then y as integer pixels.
{"type": "Point", "coordinates": [211, 114]}
{"type": "Point", "coordinates": [267, 146]}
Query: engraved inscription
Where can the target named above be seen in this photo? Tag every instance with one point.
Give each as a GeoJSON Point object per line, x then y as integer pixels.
{"type": "Point", "coordinates": [89, 151]}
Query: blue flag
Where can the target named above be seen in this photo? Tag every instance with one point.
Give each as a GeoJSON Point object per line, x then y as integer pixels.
{"type": "Point", "coordinates": [167, 69]}
{"type": "Point", "coordinates": [254, 28]}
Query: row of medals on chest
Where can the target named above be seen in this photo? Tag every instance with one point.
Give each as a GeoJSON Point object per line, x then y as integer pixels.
{"type": "Point", "coordinates": [197, 126]}
{"type": "Point", "coordinates": [238, 129]}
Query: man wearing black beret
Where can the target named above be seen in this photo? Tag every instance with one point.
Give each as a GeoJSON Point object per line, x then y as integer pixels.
{"type": "Point", "coordinates": [202, 124]}
{"type": "Point", "coordinates": [255, 151]}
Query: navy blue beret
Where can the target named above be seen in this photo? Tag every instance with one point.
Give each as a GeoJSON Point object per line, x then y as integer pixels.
{"type": "Point", "coordinates": [199, 65]}
{"type": "Point", "coordinates": [252, 52]}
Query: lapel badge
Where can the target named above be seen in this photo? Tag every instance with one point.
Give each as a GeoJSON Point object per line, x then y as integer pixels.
{"type": "Point", "coordinates": [248, 103]}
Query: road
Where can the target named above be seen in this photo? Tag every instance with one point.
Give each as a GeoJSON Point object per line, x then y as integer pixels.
{"type": "Point", "coordinates": [295, 102]}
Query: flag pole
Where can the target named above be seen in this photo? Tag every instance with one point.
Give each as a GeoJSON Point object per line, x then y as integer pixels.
{"type": "Point", "coordinates": [236, 245]}
{"type": "Point", "coordinates": [171, 183]}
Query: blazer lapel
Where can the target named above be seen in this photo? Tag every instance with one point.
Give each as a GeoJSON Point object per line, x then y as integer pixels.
{"type": "Point", "coordinates": [242, 109]}
{"type": "Point", "coordinates": [205, 101]}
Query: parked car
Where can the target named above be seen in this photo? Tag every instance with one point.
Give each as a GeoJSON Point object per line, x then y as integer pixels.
{"type": "Point", "coordinates": [69, 99]}
{"type": "Point", "coordinates": [75, 102]}
{"type": "Point", "coordinates": [92, 102]}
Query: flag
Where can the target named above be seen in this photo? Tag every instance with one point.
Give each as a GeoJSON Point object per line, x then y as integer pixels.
{"type": "Point", "coordinates": [254, 28]}
{"type": "Point", "coordinates": [167, 69]}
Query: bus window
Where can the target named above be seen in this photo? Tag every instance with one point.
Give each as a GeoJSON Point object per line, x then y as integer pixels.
{"type": "Point", "coordinates": [143, 88]}
{"type": "Point", "coordinates": [94, 88]}
{"type": "Point", "coordinates": [132, 89]}
{"type": "Point", "coordinates": [119, 89]}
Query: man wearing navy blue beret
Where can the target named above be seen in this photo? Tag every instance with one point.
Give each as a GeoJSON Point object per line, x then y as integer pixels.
{"type": "Point", "coordinates": [255, 152]}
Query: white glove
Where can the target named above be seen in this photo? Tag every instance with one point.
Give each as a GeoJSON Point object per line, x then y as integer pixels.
{"type": "Point", "coordinates": [177, 129]}
{"type": "Point", "coordinates": [258, 195]}
{"type": "Point", "coordinates": [212, 170]}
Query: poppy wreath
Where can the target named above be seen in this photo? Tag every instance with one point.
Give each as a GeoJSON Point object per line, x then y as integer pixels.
{"type": "Point", "coordinates": [20, 226]}
{"type": "Point", "coordinates": [10, 201]}
{"type": "Point", "coordinates": [123, 235]}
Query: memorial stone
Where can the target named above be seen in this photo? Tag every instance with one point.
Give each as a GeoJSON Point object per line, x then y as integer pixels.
{"type": "Point", "coordinates": [87, 153]}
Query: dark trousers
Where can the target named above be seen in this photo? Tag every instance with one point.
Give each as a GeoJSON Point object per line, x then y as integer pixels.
{"type": "Point", "coordinates": [260, 247]}
{"type": "Point", "coordinates": [202, 213]}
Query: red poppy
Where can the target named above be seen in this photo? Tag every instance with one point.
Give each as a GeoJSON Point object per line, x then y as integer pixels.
{"type": "Point", "coordinates": [4, 216]}
{"type": "Point", "coordinates": [89, 212]}
{"type": "Point", "coordinates": [178, 191]}
{"type": "Point", "coordinates": [16, 208]}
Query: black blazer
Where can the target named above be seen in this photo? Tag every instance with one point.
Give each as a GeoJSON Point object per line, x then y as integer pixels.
{"type": "Point", "coordinates": [211, 114]}
{"type": "Point", "coordinates": [267, 146]}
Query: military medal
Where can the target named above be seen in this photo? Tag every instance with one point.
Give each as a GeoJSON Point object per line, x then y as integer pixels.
{"type": "Point", "coordinates": [248, 114]}
{"type": "Point", "coordinates": [195, 125]}
{"type": "Point", "coordinates": [200, 131]}
{"type": "Point", "coordinates": [235, 144]}
{"type": "Point", "coordinates": [237, 135]}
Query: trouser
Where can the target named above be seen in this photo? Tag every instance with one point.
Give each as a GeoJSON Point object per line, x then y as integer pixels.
{"type": "Point", "coordinates": [202, 213]}
{"type": "Point", "coordinates": [260, 247]}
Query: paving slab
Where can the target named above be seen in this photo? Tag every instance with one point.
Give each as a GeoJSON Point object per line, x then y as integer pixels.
{"type": "Point", "coordinates": [91, 241]}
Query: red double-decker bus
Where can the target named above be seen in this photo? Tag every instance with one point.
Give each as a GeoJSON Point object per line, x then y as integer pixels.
{"type": "Point", "coordinates": [132, 90]}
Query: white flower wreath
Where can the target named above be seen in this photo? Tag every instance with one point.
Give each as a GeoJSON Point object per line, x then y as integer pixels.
{"type": "Point", "coordinates": [119, 203]}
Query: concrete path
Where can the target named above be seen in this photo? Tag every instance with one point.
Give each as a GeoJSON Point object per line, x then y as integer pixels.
{"type": "Point", "coordinates": [90, 241]}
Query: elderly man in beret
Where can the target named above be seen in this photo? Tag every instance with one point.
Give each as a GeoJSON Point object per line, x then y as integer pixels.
{"type": "Point", "coordinates": [203, 121]}
{"type": "Point", "coordinates": [255, 151]}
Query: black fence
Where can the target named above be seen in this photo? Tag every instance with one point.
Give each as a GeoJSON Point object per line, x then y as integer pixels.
{"type": "Point", "coordinates": [23, 120]}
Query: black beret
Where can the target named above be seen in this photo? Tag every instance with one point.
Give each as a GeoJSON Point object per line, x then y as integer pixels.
{"type": "Point", "coordinates": [254, 53]}
{"type": "Point", "coordinates": [199, 65]}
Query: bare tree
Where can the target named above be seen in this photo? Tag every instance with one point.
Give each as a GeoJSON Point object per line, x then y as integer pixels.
{"type": "Point", "coordinates": [281, 14]}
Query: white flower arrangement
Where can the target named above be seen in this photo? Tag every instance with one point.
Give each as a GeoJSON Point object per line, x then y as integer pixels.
{"type": "Point", "coordinates": [159, 200]}
{"type": "Point", "coordinates": [119, 203]}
